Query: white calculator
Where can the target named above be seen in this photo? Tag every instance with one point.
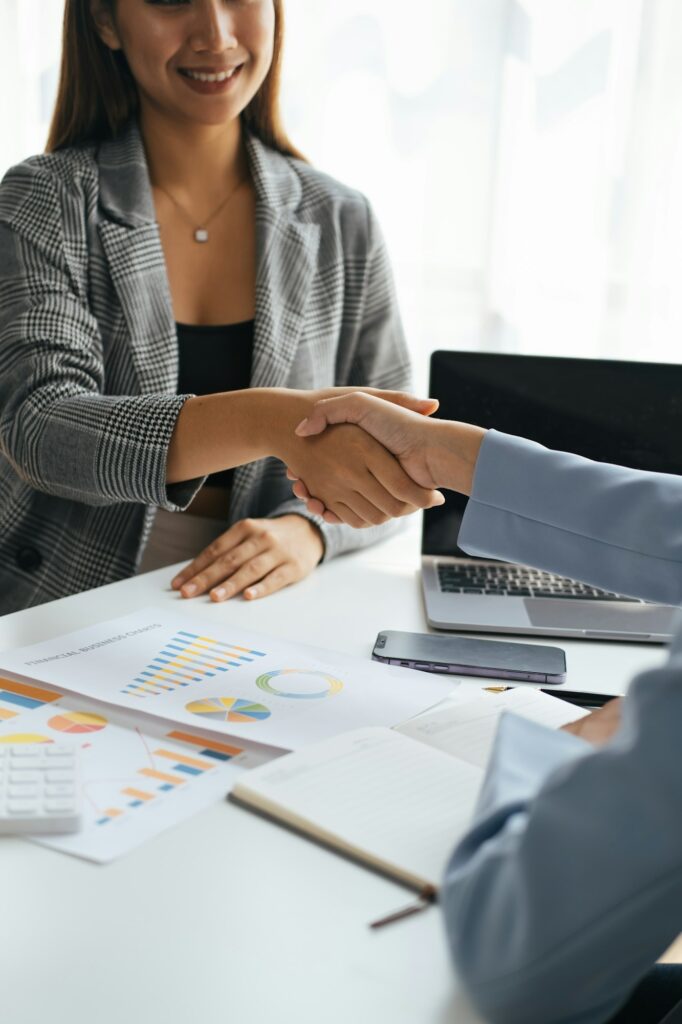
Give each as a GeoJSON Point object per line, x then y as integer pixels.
{"type": "Point", "coordinates": [39, 788]}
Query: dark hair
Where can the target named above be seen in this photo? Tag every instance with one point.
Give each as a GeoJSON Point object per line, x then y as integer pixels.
{"type": "Point", "coordinates": [97, 94]}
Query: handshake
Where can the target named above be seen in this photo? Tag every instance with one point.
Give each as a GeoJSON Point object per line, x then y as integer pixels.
{"type": "Point", "coordinates": [391, 460]}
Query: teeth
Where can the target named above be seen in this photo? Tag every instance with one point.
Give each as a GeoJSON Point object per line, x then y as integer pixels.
{"type": "Point", "coordinates": [201, 76]}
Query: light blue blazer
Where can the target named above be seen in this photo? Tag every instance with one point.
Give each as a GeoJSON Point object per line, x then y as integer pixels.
{"type": "Point", "coordinates": [569, 885]}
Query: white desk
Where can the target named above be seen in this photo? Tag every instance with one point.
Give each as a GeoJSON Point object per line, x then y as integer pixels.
{"type": "Point", "coordinates": [227, 918]}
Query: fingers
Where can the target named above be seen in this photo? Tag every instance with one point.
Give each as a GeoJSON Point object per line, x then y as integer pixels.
{"type": "Point", "coordinates": [282, 576]}
{"type": "Point", "coordinates": [249, 578]}
{"type": "Point", "coordinates": [393, 478]}
{"type": "Point", "coordinates": [188, 581]}
{"type": "Point", "coordinates": [353, 408]}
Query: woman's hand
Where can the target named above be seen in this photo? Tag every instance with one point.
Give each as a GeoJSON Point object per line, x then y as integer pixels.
{"type": "Point", "coordinates": [255, 557]}
{"type": "Point", "coordinates": [433, 453]}
{"type": "Point", "coordinates": [362, 483]}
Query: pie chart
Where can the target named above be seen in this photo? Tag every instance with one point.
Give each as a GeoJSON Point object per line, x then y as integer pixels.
{"type": "Point", "coordinates": [228, 709]}
{"type": "Point", "coordinates": [77, 721]}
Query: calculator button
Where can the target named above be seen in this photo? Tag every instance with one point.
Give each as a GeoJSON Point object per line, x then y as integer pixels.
{"type": "Point", "coordinates": [59, 776]}
{"type": "Point", "coordinates": [21, 806]}
{"type": "Point", "coordinates": [23, 778]}
{"type": "Point", "coordinates": [23, 792]}
{"type": "Point", "coordinates": [60, 752]}
{"type": "Point", "coordinates": [59, 789]}
{"type": "Point", "coordinates": [26, 753]}
{"type": "Point", "coordinates": [59, 806]}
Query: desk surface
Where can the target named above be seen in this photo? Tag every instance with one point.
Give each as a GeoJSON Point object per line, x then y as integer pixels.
{"type": "Point", "coordinates": [226, 917]}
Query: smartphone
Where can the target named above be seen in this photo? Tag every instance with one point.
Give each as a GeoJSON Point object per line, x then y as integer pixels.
{"type": "Point", "coordinates": [531, 663]}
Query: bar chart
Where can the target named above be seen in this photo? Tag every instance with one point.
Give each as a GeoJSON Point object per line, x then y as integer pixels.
{"type": "Point", "coordinates": [189, 658]}
{"type": "Point", "coordinates": [170, 769]}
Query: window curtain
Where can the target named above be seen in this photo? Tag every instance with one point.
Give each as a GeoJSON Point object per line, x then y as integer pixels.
{"type": "Point", "coordinates": [524, 156]}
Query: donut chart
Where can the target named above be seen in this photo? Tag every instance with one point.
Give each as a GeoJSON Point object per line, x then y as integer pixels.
{"type": "Point", "coordinates": [331, 684]}
{"type": "Point", "coordinates": [77, 722]}
{"type": "Point", "coordinates": [229, 709]}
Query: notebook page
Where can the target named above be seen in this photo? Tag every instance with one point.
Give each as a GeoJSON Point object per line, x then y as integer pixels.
{"type": "Point", "coordinates": [400, 802]}
{"type": "Point", "coordinates": [467, 730]}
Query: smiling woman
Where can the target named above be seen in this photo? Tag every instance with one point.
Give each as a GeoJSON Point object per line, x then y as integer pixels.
{"type": "Point", "coordinates": [150, 385]}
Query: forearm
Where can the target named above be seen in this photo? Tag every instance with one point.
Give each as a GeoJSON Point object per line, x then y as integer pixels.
{"type": "Point", "coordinates": [228, 429]}
{"type": "Point", "coordinates": [452, 453]}
{"type": "Point", "coordinates": [563, 896]}
{"type": "Point", "coordinates": [610, 526]}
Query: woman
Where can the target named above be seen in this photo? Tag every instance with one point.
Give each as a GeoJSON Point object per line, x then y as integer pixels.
{"type": "Point", "coordinates": [172, 222]}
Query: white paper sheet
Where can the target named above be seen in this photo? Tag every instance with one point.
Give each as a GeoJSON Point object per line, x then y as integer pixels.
{"type": "Point", "coordinates": [467, 730]}
{"type": "Point", "coordinates": [208, 675]}
{"type": "Point", "coordinates": [134, 784]}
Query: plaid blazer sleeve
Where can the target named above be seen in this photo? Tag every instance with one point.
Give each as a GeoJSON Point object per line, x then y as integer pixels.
{"type": "Point", "coordinates": [376, 357]}
{"type": "Point", "coordinates": [60, 431]}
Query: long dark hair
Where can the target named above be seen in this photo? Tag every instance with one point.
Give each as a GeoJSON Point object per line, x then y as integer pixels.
{"type": "Point", "coordinates": [97, 94]}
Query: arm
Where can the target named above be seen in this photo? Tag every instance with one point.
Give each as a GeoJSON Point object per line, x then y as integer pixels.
{"type": "Point", "coordinates": [616, 528]}
{"type": "Point", "coordinates": [58, 430]}
{"type": "Point", "coordinates": [65, 436]}
{"type": "Point", "coordinates": [613, 527]}
{"type": "Point", "coordinates": [568, 887]}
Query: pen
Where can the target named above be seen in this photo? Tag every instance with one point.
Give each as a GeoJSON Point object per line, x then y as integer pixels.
{"type": "Point", "coordinates": [426, 899]}
{"type": "Point", "coordinates": [583, 699]}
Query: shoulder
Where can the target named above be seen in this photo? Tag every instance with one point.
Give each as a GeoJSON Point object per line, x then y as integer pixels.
{"type": "Point", "coordinates": [333, 204]}
{"type": "Point", "coordinates": [313, 196]}
{"type": "Point", "coordinates": [37, 194]}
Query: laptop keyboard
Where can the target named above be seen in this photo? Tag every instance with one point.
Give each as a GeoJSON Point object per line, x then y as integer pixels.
{"type": "Point", "coordinates": [516, 581]}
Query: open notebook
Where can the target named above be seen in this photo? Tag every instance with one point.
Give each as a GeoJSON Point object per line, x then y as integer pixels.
{"type": "Point", "coordinates": [397, 799]}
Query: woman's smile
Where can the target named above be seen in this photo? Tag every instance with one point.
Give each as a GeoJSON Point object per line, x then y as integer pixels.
{"type": "Point", "coordinates": [210, 80]}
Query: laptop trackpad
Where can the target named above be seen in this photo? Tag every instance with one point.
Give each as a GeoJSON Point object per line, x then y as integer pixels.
{"type": "Point", "coordinates": [598, 616]}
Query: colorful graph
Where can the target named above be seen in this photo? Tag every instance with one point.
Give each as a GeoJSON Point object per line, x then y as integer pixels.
{"type": "Point", "coordinates": [332, 685]}
{"type": "Point", "coordinates": [209, 748]}
{"type": "Point", "coordinates": [188, 658]}
{"type": "Point", "coordinates": [175, 769]}
{"type": "Point", "coordinates": [25, 737]}
{"type": "Point", "coordinates": [228, 709]}
{"type": "Point", "coordinates": [77, 722]}
{"type": "Point", "coordinates": [23, 697]}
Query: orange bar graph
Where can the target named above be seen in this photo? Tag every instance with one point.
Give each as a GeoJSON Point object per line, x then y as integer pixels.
{"type": "Point", "coordinates": [6, 715]}
{"type": "Point", "coordinates": [151, 773]}
{"type": "Point", "coordinates": [192, 762]}
{"type": "Point", "coordinates": [138, 794]}
{"type": "Point", "coordinates": [113, 812]}
{"type": "Point", "coordinates": [196, 741]}
{"type": "Point", "coordinates": [24, 690]}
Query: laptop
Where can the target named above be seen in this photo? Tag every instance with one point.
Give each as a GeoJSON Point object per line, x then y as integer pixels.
{"type": "Point", "coordinates": [625, 413]}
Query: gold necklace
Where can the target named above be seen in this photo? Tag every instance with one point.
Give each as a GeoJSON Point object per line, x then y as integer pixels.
{"type": "Point", "coordinates": [200, 231]}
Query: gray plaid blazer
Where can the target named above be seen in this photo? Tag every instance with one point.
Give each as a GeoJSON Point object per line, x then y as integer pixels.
{"type": "Point", "coordinates": [88, 353]}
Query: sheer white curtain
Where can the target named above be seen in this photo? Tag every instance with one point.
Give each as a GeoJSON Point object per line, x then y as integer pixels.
{"type": "Point", "coordinates": [524, 156]}
{"type": "Point", "coordinates": [586, 245]}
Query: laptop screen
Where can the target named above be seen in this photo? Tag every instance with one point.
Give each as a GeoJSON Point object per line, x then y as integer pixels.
{"type": "Point", "coordinates": [621, 412]}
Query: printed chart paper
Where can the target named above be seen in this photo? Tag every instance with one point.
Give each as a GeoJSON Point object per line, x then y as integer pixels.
{"type": "Point", "coordinates": [210, 676]}
{"type": "Point", "coordinates": [134, 784]}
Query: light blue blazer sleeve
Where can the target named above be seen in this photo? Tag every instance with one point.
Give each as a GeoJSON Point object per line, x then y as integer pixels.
{"type": "Point", "coordinates": [569, 885]}
{"type": "Point", "coordinates": [615, 528]}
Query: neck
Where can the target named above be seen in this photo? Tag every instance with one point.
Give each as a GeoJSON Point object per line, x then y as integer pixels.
{"type": "Point", "coordinates": [193, 159]}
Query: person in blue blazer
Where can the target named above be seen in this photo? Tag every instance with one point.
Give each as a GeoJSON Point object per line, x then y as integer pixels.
{"type": "Point", "coordinates": [568, 886]}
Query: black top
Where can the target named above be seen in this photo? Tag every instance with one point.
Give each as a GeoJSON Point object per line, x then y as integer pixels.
{"type": "Point", "coordinates": [215, 358]}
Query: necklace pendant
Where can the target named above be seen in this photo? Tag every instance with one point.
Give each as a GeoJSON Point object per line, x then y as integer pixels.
{"type": "Point", "coordinates": [201, 235]}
